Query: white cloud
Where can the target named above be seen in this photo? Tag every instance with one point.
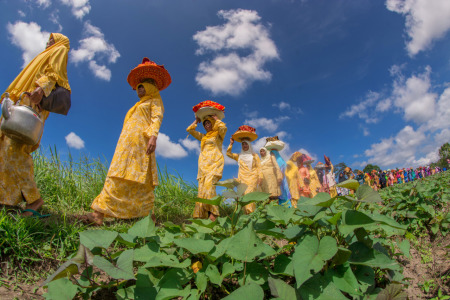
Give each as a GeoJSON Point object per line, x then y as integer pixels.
{"type": "Point", "coordinates": [284, 106]}
{"type": "Point", "coordinates": [80, 8]}
{"type": "Point", "coordinates": [228, 72]}
{"type": "Point", "coordinates": [29, 38]}
{"type": "Point", "coordinates": [414, 98]}
{"type": "Point", "coordinates": [426, 21]}
{"type": "Point", "coordinates": [94, 48]}
{"type": "Point", "coordinates": [101, 72]}
{"type": "Point", "coordinates": [269, 125]}
{"type": "Point", "coordinates": [21, 13]}
{"type": "Point", "coordinates": [168, 149]}
{"type": "Point", "coordinates": [191, 144]}
{"type": "Point", "coordinates": [366, 131]}
{"type": "Point", "coordinates": [74, 141]}
{"type": "Point", "coordinates": [44, 3]}
{"type": "Point", "coordinates": [363, 109]}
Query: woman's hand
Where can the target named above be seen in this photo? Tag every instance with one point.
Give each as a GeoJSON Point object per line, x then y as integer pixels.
{"type": "Point", "coordinates": [231, 141]}
{"type": "Point", "coordinates": [151, 146]}
{"type": "Point", "coordinates": [36, 95]}
{"type": "Point", "coordinates": [214, 117]}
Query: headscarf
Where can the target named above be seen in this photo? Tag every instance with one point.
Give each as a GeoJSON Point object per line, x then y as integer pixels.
{"type": "Point", "coordinates": [209, 134]}
{"type": "Point", "coordinates": [247, 156]}
{"type": "Point", "coordinates": [52, 61]}
{"type": "Point", "coordinates": [151, 92]}
{"type": "Point", "coordinates": [265, 158]}
{"type": "Point", "coordinates": [285, 195]}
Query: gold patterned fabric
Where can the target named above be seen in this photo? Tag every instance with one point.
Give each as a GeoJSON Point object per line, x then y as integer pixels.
{"type": "Point", "coordinates": [52, 63]}
{"type": "Point", "coordinates": [248, 176]}
{"type": "Point", "coordinates": [294, 181]}
{"type": "Point", "coordinates": [132, 176]}
{"type": "Point", "coordinates": [314, 184]}
{"type": "Point", "coordinates": [271, 175]}
{"type": "Point", "coordinates": [16, 164]}
{"type": "Point", "coordinates": [210, 165]}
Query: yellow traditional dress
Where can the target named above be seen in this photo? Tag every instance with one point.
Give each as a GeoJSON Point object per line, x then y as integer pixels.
{"type": "Point", "coordinates": [16, 164]}
{"type": "Point", "coordinates": [132, 176]}
{"type": "Point", "coordinates": [294, 181]}
{"type": "Point", "coordinates": [331, 182]}
{"type": "Point", "coordinates": [314, 184]}
{"type": "Point", "coordinates": [248, 175]}
{"type": "Point", "coordinates": [271, 175]}
{"type": "Point", "coordinates": [210, 165]}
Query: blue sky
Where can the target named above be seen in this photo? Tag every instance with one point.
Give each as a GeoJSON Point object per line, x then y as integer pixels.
{"type": "Point", "coordinates": [361, 81]}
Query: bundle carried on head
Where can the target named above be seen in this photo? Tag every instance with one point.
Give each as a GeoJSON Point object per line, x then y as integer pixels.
{"type": "Point", "coordinates": [273, 143]}
{"type": "Point", "coordinates": [149, 70]}
{"type": "Point", "coordinates": [208, 108]}
{"type": "Point", "coordinates": [245, 132]}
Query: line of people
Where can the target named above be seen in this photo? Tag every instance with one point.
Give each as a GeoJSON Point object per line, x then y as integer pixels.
{"type": "Point", "coordinates": [385, 178]}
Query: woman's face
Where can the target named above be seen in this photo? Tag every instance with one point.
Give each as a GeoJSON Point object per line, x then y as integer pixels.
{"type": "Point", "coordinates": [208, 126]}
{"type": "Point", "coordinates": [51, 41]}
{"type": "Point", "coordinates": [141, 91]}
{"type": "Point", "coordinates": [262, 152]}
{"type": "Point", "coordinates": [245, 146]}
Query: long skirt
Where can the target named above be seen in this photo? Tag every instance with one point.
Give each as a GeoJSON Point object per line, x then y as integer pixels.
{"type": "Point", "coordinates": [125, 199]}
{"type": "Point", "coordinates": [206, 190]}
{"type": "Point", "coordinates": [16, 173]}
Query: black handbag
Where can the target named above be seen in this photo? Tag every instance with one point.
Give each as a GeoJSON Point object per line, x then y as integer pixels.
{"type": "Point", "coordinates": [58, 101]}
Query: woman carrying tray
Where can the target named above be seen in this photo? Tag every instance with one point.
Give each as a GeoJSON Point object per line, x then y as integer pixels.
{"type": "Point", "coordinates": [133, 175]}
{"type": "Point", "coordinates": [249, 163]}
{"type": "Point", "coordinates": [271, 172]}
{"type": "Point", "coordinates": [210, 160]}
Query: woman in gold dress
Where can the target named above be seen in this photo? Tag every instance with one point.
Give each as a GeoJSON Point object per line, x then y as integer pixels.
{"type": "Point", "coordinates": [132, 175]}
{"type": "Point", "coordinates": [45, 75]}
{"type": "Point", "coordinates": [210, 163]}
{"type": "Point", "coordinates": [249, 163]}
{"type": "Point", "coordinates": [271, 173]}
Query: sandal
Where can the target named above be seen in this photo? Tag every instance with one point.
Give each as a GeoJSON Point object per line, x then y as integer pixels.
{"type": "Point", "coordinates": [35, 213]}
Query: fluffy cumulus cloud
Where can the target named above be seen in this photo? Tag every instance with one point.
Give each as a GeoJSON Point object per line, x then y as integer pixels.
{"type": "Point", "coordinates": [240, 48]}
{"type": "Point", "coordinates": [29, 37]}
{"type": "Point", "coordinates": [191, 144]}
{"type": "Point", "coordinates": [93, 49]}
{"type": "Point", "coordinates": [415, 99]}
{"type": "Point", "coordinates": [426, 21]}
{"type": "Point", "coordinates": [79, 8]}
{"type": "Point", "coordinates": [168, 149]}
{"type": "Point", "coordinates": [74, 141]}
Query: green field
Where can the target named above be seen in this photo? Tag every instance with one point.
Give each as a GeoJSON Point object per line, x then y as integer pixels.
{"type": "Point", "coordinates": [369, 244]}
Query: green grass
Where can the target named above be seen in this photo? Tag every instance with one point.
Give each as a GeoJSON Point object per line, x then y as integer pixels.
{"type": "Point", "coordinates": [68, 189]}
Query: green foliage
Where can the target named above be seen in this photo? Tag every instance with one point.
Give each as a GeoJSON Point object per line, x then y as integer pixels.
{"type": "Point", "coordinates": [329, 250]}
{"type": "Point", "coordinates": [368, 168]}
{"type": "Point", "coordinates": [421, 204]}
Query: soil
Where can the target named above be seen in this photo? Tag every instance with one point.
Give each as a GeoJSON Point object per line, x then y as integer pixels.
{"type": "Point", "coordinates": [422, 267]}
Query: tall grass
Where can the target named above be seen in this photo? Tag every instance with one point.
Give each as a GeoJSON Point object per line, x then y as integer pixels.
{"type": "Point", "coordinates": [68, 188]}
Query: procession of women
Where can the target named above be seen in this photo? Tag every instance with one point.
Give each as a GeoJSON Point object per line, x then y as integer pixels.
{"type": "Point", "coordinates": [42, 87]}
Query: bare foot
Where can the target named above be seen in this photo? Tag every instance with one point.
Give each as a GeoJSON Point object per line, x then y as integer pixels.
{"type": "Point", "coordinates": [34, 206]}
{"type": "Point", "coordinates": [212, 217]}
{"type": "Point", "coordinates": [94, 218]}
{"type": "Point", "coordinates": [154, 218]}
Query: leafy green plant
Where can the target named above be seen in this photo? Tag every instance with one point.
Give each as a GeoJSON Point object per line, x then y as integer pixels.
{"type": "Point", "coordinates": [326, 248]}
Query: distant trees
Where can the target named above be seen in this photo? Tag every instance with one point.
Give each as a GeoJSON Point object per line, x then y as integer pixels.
{"type": "Point", "coordinates": [339, 168]}
{"type": "Point", "coordinates": [370, 167]}
{"type": "Point", "coordinates": [444, 154]}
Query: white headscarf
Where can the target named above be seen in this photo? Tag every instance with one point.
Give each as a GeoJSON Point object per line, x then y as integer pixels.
{"type": "Point", "coordinates": [247, 156]}
{"type": "Point", "coordinates": [265, 158]}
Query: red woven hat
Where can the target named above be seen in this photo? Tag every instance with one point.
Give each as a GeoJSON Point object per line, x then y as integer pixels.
{"type": "Point", "coordinates": [245, 132]}
{"type": "Point", "coordinates": [148, 69]}
{"type": "Point", "coordinates": [207, 108]}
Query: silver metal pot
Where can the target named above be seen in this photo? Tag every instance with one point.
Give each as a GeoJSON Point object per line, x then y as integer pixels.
{"type": "Point", "coordinates": [20, 122]}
